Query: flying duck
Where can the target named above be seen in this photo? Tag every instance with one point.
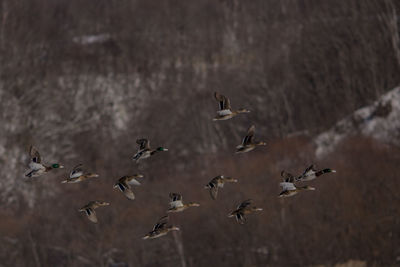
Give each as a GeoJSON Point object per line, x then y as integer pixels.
{"type": "Point", "coordinates": [225, 112]}
{"type": "Point", "coordinates": [36, 168]}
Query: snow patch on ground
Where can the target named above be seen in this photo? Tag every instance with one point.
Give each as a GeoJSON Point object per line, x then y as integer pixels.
{"type": "Point", "coordinates": [381, 120]}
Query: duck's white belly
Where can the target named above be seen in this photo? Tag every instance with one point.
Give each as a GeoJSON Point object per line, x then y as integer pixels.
{"type": "Point", "coordinates": [289, 193]}
{"type": "Point", "coordinates": [145, 155]}
{"type": "Point", "coordinates": [224, 112]}
{"type": "Point", "coordinates": [287, 186]}
{"type": "Point", "coordinates": [244, 149]}
{"type": "Point", "coordinates": [36, 166]}
{"type": "Point", "coordinates": [158, 235]}
{"type": "Point", "coordinates": [73, 180]}
{"type": "Point", "coordinates": [308, 177]}
{"type": "Point", "coordinates": [142, 155]}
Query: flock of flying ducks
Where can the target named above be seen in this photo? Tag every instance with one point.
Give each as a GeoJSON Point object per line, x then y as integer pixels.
{"type": "Point", "coordinates": [161, 228]}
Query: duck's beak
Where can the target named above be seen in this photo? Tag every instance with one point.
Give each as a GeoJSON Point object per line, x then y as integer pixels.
{"type": "Point", "coordinates": [61, 166]}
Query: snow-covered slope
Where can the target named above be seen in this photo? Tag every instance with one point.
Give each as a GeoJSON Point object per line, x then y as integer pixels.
{"type": "Point", "coordinates": [381, 120]}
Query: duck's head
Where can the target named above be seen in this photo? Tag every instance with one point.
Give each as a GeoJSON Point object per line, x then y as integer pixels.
{"type": "Point", "coordinates": [57, 166]}
{"type": "Point", "coordinates": [161, 149]}
{"type": "Point", "coordinates": [329, 170]}
{"type": "Point", "coordinates": [262, 143]}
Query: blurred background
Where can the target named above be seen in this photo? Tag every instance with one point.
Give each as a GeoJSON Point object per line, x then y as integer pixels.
{"type": "Point", "coordinates": [82, 80]}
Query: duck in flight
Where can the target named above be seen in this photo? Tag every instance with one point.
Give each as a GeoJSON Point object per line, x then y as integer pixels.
{"type": "Point", "coordinates": [176, 204]}
{"type": "Point", "coordinates": [225, 112]}
{"type": "Point", "coordinates": [311, 173]}
{"type": "Point", "coordinates": [90, 207]}
{"type": "Point", "coordinates": [289, 187]}
{"type": "Point", "coordinates": [248, 143]}
{"type": "Point", "coordinates": [145, 151]}
{"type": "Point", "coordinates": [161, 228]}
{"type": "Point", "coordinates": [218, 182]}
{"type": "Point", "coordinates": [77, 175]}
{"type": "Point", "coordinates": [36, 167]}
{"type": "Point", "coordinates": [124, 184]}
{"type": "Point", "coordinates": [243, 209]}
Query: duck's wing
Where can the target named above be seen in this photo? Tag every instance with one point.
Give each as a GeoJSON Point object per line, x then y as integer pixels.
{"type": "Point", "coordinates": [122, 184]}
{"type": "Point", "coordinates": [129, 193]}
{"type": "Point", "coordinates": [287, 186]}
{"type": "Point", "coordinates": [175, 197]}
{"type": "Point", "coordinates": [123, 179]}
{"type": "Point", "coordinates": [217, 178]}
{"type": "Point", "coordinates": [248, 139]}
{"type": "Point", "coordinates": [224, 102]}
{"type": "Point", "coordinates": [214, 192]}
{"type": "Point", "coordinates": [176, 200]}
{"type": "Point", "coordinates": [245, 204]}
{"type": "Point", "coordinates": [143, 143]}
{"type": "Point", "coordinates": [76, 171]}
{"type": "Point", "coordinates": [91, 214]}
{"type": "Point", "coordinates": [287, 177]}
{"type": "Point", "coordinates": [240, 218]}
{"type": "Point", "coordinates": [162, 223]}
{"type": "Point", "coordinates": [309, 169]}
{"type": "Point", "coordinates": [131, 180]}
{"type": "Point", "coordinates": [213, 187]}
{"type": "Point", "coordinates": [35, 156]}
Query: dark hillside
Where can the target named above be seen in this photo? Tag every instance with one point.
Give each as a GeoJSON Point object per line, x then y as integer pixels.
{"type": "Point", "coordinates": [82, 80]}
